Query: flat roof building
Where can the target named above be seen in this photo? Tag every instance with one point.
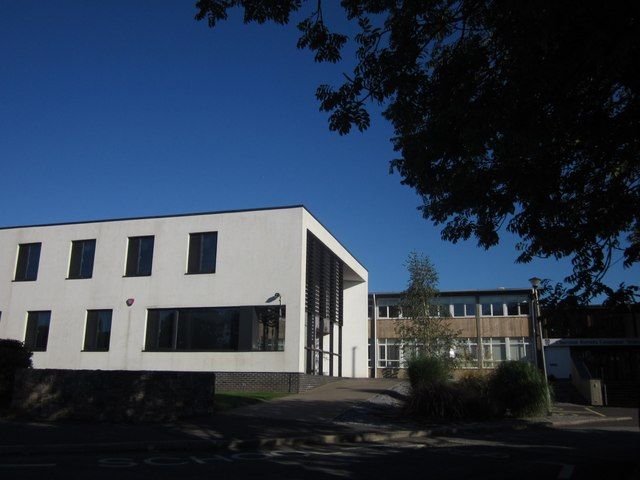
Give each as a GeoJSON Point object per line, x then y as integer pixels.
{"type": "Point", "coordinates": [499, 320]}
{"type": "Point", "coordinates": [248, 291]}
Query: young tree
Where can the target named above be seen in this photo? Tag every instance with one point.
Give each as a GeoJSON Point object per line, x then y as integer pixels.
{"type": "Point", "coordinates": [425, 327]}
{"type": "Point", "coordinates": [517, 116]}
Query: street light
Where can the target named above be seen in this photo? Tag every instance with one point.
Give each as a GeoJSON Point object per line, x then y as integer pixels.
{"type": "Point", "coordinates": [535, 283]}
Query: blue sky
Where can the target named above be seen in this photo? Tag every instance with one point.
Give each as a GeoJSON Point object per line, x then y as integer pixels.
{"type": "Point", "coordinates": [116, 109]}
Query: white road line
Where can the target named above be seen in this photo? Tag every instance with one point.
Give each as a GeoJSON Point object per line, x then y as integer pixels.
{"type": "Point", "coordinates": [566, 471]}
{"type": "Point", "coordinates": [593, 411]}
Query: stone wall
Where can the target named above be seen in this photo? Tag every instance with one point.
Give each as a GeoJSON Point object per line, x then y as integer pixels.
{"type": "Point", "coordinates": [113, 395]}
{"type": "Point", "coordinates": [269, 381]}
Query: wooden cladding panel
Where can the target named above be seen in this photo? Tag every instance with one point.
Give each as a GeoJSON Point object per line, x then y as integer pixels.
{"type": "Point", "coordinates": [491, 327]}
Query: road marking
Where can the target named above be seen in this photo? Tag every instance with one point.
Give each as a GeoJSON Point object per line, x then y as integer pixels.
{"type": "Point", "coordinates": [593, 411]}
{"type": "Point", "coordinates": [16, 465]}
{"type": "Point", "coordinates": [566, 471]}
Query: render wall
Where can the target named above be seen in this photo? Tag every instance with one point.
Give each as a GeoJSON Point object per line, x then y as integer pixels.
{"type": "Point", "coordinates": [259, 253]}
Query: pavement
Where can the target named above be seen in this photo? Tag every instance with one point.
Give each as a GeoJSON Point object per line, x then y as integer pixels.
{"type": "Point", "coordinates": [350, 410]}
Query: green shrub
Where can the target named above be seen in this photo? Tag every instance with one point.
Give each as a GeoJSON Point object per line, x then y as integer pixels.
{"type": "Point", "coordinates": [439, 401]}
{"type": "Point", "coordinates": [520, 389]}
{"type": "Point", "coordinates": [428, 370]}
{"type": "Point", "coordinates": [13, 355]}
{"type": "Point", "coordinates": [476, 396]}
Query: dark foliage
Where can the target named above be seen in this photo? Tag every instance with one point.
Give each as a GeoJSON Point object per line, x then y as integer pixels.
{"type": "Point", "coordinates": [13, 355]}
{"type": "Point", "coordinates": [516, 115]}
{"type": "Point", "coordinates": [428, 370]}
{"type": "Point", "coordinates": [439, 401]}
{"type": "Point", "coordinates": [519, 389]}
{"type": "Point", "coordinates": [476, 397]}
{"type": "Point", "coordinates": [444, 400]}
{"type": "Point", "coordinates": [567, 315]}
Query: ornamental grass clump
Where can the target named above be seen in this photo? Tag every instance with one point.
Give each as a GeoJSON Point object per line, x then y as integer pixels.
{"type": "Point", "coordinates": [423, 370]}
{"type": "Point", "coordinates": [476, 396]}
{"type": "Point", "coordinates": [436, 401]}
{"type": "Point", "coordinates": [519, 389]}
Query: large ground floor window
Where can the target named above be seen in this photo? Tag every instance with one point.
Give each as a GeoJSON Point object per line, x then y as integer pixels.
{"type": "Point", "coordinates": [392, 353]}
{"type": "Point", "coordinates": [217, 329]}
{"type": "Point", "coordinates": [496, 350]}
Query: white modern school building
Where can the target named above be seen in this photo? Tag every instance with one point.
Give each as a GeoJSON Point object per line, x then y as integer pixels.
{"type": "Point", "coordinates": [265, 290]}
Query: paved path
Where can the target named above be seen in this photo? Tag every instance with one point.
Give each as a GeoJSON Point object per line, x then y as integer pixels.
{"type": "Point", "coordinates": [293, 416]}
{"type": "Point", "coordinates": [319, 404]}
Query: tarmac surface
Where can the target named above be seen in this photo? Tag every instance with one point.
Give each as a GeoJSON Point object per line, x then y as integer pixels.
{"type": "Point", "coordinates": [350, 428]}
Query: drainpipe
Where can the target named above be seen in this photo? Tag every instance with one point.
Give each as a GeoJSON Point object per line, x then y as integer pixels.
{"type": "Point", "coordinates": [374, 336]}
{"type": "Point", "coordinates": [480, 353]}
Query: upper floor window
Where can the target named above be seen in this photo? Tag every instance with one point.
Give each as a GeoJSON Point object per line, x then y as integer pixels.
{"type": "Point", "coordinates": [98, 331]}
{"type": "Point", "coordinates": [389, 308]}
{"type": "Point", "coordinates": [389, 311]}
{"type": "Point", "coordinates": [518, 308]}
{"type": "Point", "coordinates": [493, 308]}
{"type": "Point", "coordinates": [37, 334]}
{"type": "Point", "coordinates": [467, 309]}
{"type": "Point", "coordinates": [202, 252]}
{"type": "Point", "coordinates": [139, 256]}
{"type": "Point", "coordinates": [28, 260]}
{"type": "Point", "coordinates": [511, 305]}
{"type": "Point", "coordinates": [82, 254]}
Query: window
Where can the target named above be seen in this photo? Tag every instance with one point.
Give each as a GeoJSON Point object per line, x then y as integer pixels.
{"type": "Point", "coordinates": [517, 307]}
{"type": "Point", "coordinates": [496, 350]}
{"type": "Point", "coordinates": [98, 331]}
{"type": "Point", "coordinates": [202, 252]}
{"type": "Point", "coordinates": [388, 353]}
{"type": "Point", "coordinates": [267, 328]}
{"type": "Point", "coordinates": [389, 308]}
{"type": "Point", "coordinates": [466, 352]}
{"type": "Point", "coordinates": [464, 309]}
{"type": "Point", "coordinates": [519, 348]}
{"type": "Point", "coordinates": [394, 311]}
{"type": "Point", "coordinates": [512, 308]}
{"type": "Point", "coordinates": [490, 307]}
{"type": "Point", "coordinates": [81, 263]}
{"type": "Point", "coordinates": [139, 256]}
{"type": "Point", "coordinates": [37, 330]}
{"type": "Point", "coordinates": [260, 328]}
{"type": "Point", "coordinates": [28, 260]}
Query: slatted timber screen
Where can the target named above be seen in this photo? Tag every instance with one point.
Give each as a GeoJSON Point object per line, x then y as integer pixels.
{"type": "Point", "coordinates": [323, 303]}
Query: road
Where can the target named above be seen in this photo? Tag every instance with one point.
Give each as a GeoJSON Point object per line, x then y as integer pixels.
{"type": "Point", "coordinates": [581, 453]}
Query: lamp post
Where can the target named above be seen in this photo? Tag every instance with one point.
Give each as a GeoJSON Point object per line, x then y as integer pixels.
{"type": "Point", "coordinates": [535, 283]}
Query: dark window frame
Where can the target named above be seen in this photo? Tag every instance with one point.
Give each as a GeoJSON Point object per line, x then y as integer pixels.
{"type": "Point", "coordinates": [32, 338]}
{"type": "Point", "coordinates": [25, 261]}
{"type": "Point", "coordinates": [82, 261]}
{"type": "Point", "coordinates": [252, 329]}
{"type": "Point", "coordinates": [196, 253]}
{"type": "Point", "coordinates": [134, 245]}
{"type": "Point", "coordinates": [177, 328]}
{"type": "Point", "coordinates": [91, 337]}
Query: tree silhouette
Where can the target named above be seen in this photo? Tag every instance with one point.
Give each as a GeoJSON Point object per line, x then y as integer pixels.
{"type": "Point", "coordinates": [516, 116]}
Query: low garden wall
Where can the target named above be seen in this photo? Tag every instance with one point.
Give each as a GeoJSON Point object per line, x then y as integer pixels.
{"type": "Point", "coordinates": [285, 382]}
{"type": "Point", "coordinates": [112, 395]}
